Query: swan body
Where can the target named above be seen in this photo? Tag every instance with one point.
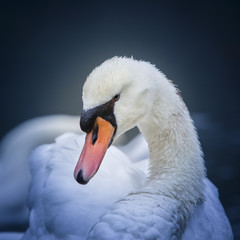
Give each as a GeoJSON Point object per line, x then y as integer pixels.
{"type": "Point", "coordinates": [60, 208]}
{"type": "Point", "coordinates": [15, 149]}
{"type": "Point", "coordinates": [173, 199]}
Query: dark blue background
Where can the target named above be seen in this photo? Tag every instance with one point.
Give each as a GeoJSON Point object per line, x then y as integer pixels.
{"type": "Point", "coordinates": [48, 48]}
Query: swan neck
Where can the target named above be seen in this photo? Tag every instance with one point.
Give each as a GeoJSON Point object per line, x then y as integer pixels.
{"type": "Point", "coordinates": [176, 162]}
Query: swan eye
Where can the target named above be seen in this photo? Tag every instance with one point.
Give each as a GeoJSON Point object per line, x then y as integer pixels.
{"type": "Point", "coordinates": [116, 97]}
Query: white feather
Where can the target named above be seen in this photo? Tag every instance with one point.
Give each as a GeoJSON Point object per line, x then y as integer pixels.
{"type": "Point", "coordinates": [59, 206]}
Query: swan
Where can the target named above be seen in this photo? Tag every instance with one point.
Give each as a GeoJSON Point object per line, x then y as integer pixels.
{"type": "Point", "coordinates": [172, 199]}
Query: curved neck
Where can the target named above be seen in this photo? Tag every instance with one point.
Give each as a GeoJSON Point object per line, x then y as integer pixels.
{"type": "Point", "coordinates": [176, 162]}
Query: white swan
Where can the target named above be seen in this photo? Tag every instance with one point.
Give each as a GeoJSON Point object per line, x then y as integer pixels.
{"type": "Point", "coordinates": [176, 201]}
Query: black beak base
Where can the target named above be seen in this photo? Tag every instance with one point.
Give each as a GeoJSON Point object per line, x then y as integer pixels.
{"type": "Point", "coordinates": [105, 111]}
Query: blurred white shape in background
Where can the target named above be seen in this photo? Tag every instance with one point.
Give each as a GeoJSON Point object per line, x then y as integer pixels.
{"type": "Point", "coordinates": [15, 149]}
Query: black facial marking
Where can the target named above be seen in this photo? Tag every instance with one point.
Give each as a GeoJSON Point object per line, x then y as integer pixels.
{"type": "Point", "coordinates": [95, 134]}
{"type": "Point", "coordinates": [104, 111]}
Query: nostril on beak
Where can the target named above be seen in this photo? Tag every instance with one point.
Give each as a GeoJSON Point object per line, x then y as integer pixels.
{"type": "Point", "coordinates": [95, 134]}
{"type": "Point", "coordinates": [80, 179]}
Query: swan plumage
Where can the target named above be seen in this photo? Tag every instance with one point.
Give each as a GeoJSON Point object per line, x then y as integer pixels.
{"type": "Point", "coordinates": [15, 149]}
{"type": "Point", "coordinates": [60, 208]}
{"type": "Point", "coordinates": [173, 199]}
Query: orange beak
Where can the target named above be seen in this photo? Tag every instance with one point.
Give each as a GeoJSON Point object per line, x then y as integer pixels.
{"type": "Point", "coordinates": [95, 147]}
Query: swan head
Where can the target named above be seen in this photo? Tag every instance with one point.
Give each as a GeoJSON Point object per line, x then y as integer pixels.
{"type": "Point", "coordinates": [116, 97]}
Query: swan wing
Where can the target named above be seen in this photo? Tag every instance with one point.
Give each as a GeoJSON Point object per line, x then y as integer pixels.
{"type": "Point", "coordinates": [58, 205]}
{"type": "Point", "coordinates": [15, 149]}
{"type": "Point", "coordinates": [208, 220]}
